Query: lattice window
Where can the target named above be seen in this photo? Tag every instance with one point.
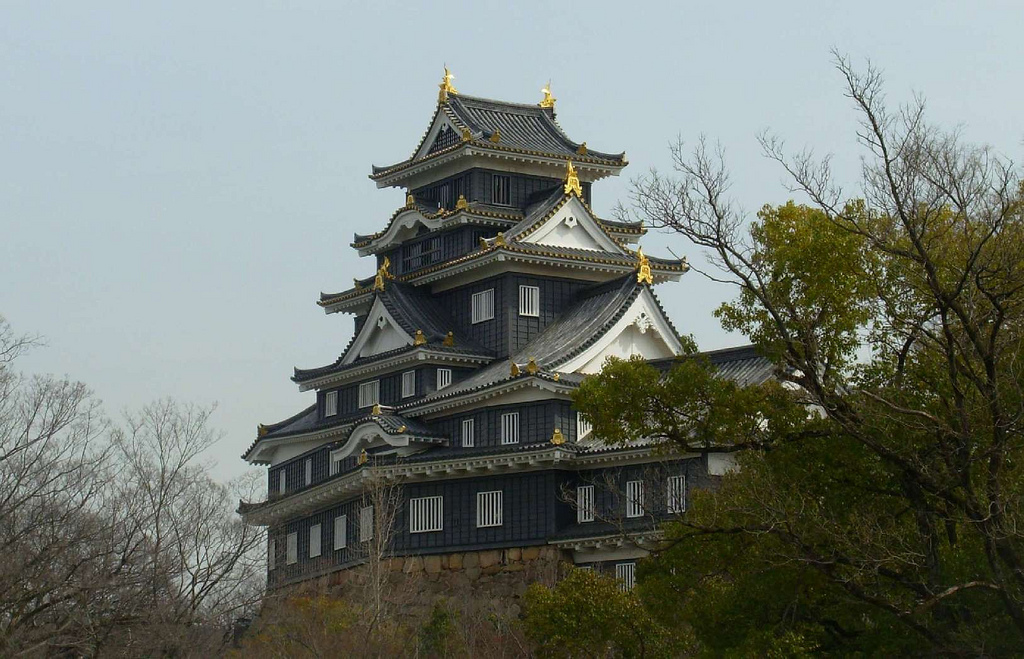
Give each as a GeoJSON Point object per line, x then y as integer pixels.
{"type": "Point", "coordinates": [314, 540]}
{"type": "Point", "coordinates": [282, 481]}
{"type": "Point", "coordinates": [444, 378]}
{"type": "Point", "coordinates": [340, 532]}
{"type": "Point", "coordinates": [366, 524]}
{"type": "Point", "coordinates": [309, 471]}
{"type": "Point", "coordinates": [408, 384]}
{"type": "Point", "coordinates": [625, 573]}
{"type": "Point", "coordinates": [529, 301]}
{"type": "Point", "coordinates": [369, 393]}
{"type": "Point", "coordinates": [675, 493]}
{"type": "Point", "coordinates": [510, 428]}
{"type": "Point", "coordinates": [585, 503]}
{"type": "Point", "coordinates": [330, 403]}
{"type": "Point", "coordinates": [583, 427]}
{"type": "Point", "coordinates": [292, 549]}
{"type": "Point", "coordinates": [467, 433]}
{"type": "Point", "coordinates": [483, 306]}
{"type": "Point", "coordinates": [488, 509]}
{"type": "Point", "coordinates": [634, 498]}
{"type": "Point", "coordinates": [426, 514]}
{"type": "Point", "coordinates": [501, 190]}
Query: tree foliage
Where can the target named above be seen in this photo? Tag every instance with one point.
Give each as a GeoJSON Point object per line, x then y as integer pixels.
{"type": "Point", "coordinates": [877, 506]}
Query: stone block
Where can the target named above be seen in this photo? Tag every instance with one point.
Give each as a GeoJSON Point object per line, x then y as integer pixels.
{"type": "Point", "coordinates": [514, 554]}
{"type": "Point", "coordinates": [413, 564]}
{"type": "Point", "coordinates": [432, 564]}
{"type": "Point", "coordinates": [473, 573]}
{"type": "Point", "coordinates": [471, 559]}
{"type": "Point", "coordinates": [531, 553]}
{"type": "Point", "coordinates": [455, 562]}
{"type": "Point", "coordinates": [492, 569]}
{"type": "Point", "coordinates": [490, 557]}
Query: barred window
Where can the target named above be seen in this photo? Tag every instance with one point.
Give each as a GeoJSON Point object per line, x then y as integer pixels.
{"type": "Point", "coordinates": [444, 378]}
{"type": "Point", "coordinates": [426, 514]}
{"type": "Point", "coordinates": [467, 433]}
{"type": "Point", "coordinates": [634, 498]}
{"type": "Point", "coordinates": [529, 300]}
{"type": "Point", "coordinates": [676, 494]}
{"type": "Point", "coordinates": [408, 384]}
{"type": "Point", "coordinates": [340, 532]}
{"type": "Point", "coordinates": [330, 403]}
{"type": "Point", "coordinates": [314, 541]}
{"type": "Point", "coordinates": [483, 306]}
{"type": "Point", "coordinates": [488, 509]}
{"type": "Point", "coordinates": [366, 524]}
{"type": "Point", "coordinates": [625, 573]}
{"type": "Point", "coordinates": [272, 554]}
{"type": "Point", "coordinates": [583, 427]}
{"type": "Point", "coordinates": [585, 503]}
{"type": "Point", "coordinates": [369, 393]}
{"type": "Point", "coordinates": [510, 428]}
{"type": "Point", "coordinates": [309, 471]}
{"type": "Point", "coordinates": [501, 190]}
{"type": "Point", "coordinates": [292, 549]}
{"type": "Point", "coordinates": [282, 481]}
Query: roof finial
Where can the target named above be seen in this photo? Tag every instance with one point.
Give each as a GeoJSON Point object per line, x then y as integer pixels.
{"type": "Point", "coordinates": [557, 438]}
{"type": "Point", "coordinates": [643, 268]}
{"type": "Point", "coordinates": [382, 274]}
{"type": "Point", "coordinates": [572, 181]}
{"type": "Point", "coordinates": [446, 86]}
{"type": "Point", "coordinates": [548, 101]}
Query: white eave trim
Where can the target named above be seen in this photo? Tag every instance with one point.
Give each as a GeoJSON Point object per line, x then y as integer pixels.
{"type": "Point", "coordinates": [436, 405]}
{"type": "Point", "coordinates": [425, 355]}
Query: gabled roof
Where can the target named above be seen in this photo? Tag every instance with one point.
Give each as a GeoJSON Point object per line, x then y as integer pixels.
{"type": "Point", "coordinates": [744, 365]}
{"type": "Point", "coordinates": [435, 220]}
{"type": "Point", "coordinates": [501, 126]}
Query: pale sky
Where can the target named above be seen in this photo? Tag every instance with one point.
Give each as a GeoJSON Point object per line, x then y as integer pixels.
{"type": "Point", "coordinates": [178, 182]}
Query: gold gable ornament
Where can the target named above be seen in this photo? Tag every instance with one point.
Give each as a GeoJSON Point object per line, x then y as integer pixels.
{"type": "Point", "coordinates": [449, 340]}
{"type": "Point", "coordinates": [557, 438]}
{"type": "Point", "coordinates": [410, 201]}
{"type": "Point", "coordinates": [643, 268]}
{"type": "Point", "coordinates": [572, 181]}
{"type": "Point", "coordinates": [467, 134]}
{"type": "Point", "coordinates": [402, 428]}
{"type": "Point", "coordinates": [375, 410]}
{"type": "Point", "coordinates": [582, 149]}
{"type": "Point", "coordinates": [495, 136]}
{"type": "Point", "coordinates": [499, 240]}
{"type": "Point", "coordinates": [446, 86]}
{"type": "Point", "coordinates": [531, 367]}
{"type": "Point", "coordinates": [383, 274]}
{"type": "Point", "coordinates": [261, 430]}
{"type": "Point", "coordinates": [461, 204]}
{"type": "Point", "coordinates": [514, 370]}
{"type": "Point", "coordinates": [363, 457]}
{"type": "Point", "coordinates": [556, 377]}
{"type": "Point", "coordinates": [548, 101]}
{"type": "Point", "coordinates": [419, 339]}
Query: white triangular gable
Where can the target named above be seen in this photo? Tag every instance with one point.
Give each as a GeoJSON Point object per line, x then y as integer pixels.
{"type": "Point", "coordinates": [379, 333]}
{"type": "Point", "coordinates": [441, 121]}
{"type": "Point", "coordinates": [643, 330]}
{"type": "Point", "coordinates": [572, 225]}
{"type": "Point", "coordinates": [404, 226]}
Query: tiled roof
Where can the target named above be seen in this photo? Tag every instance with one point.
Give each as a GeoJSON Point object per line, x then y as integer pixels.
{"type": "Point", "coordinates": [744, 365]}
{"type": "Point", "coordinates": [306, 374]}
{"type": "Point", "coordinates": [490, 214]}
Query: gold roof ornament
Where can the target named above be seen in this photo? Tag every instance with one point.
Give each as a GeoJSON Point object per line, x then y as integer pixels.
{"type": "Point", "coordinates": [446, 86]}
{"type": "Point", "coordinates": [467, 134]}
{"type": "Point", "coordinates": [410, 201]}
{"type": "Point", "coordinates": [402, 428]}
{"type": "Point", "coordinates": [514, 370]}
{"type": "Point", "coordinates": [375, 410]}
{"type": "Point", "coordinates": [449, 340]}
{"type": "Point", "coordinates": [643, 268]}
{"type": "Point", "coordinates": [572, 181]}
{"type": "Point", "coordinates": [582, 149]}
{"type": "Point", "coordinates": [383, 274]}
{"type": "Point", "coordinates": [531, 367]}
{"type": "Point", "coordinates": [356, 284]}
{"type": "Point", "coordinates": [461, 204]}
{"type": "Point", "coordinates": [548, 101]}
{"type": "Point", "coordinates": [557, 438]}
{"type": "Point", "coordinates": [261, 430]}
{"type": "Point", "coordinates": [363, 457]}
{"type": "Point", "coordinates": [495, 136]}
{"type": "Point", "coordinates": [556, 376]}
{"type": "Point", "coordinates": [483, 243]}
{"type": "Point", "coordinates": [419, 339]}
{"type": "Point", "coordinates": [499, 240]}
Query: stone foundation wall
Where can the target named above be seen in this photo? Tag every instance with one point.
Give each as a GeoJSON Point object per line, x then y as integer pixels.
{"type": "Point", "coordinates": [494, 579]}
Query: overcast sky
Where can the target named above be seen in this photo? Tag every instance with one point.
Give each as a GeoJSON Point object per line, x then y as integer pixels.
{"type": "Point", "coordinates": [178, 182]}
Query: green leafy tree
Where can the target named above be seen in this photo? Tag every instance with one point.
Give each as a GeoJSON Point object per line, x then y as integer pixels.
{"type": "Point", "coordinates": [877, 508]}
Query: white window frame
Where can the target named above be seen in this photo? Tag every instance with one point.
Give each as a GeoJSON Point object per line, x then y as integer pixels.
{"type": "Point", "coordinates": [369, 393]}
{"type": "Point", "coordinates": [529, 301]}
{"type": "Point", "coordinates": [510, 428]}
{"type": "Point", "coordinates": [634, 498]}
{"type": "Point", "coordinates": [468, 430]}
{"type": "Point", "coordinates": [426, 514]}
{"type": "Point", "coordinates": [625, 574]}
{"type": "Point", "coordinates": [272, 554]}
{"type": "Point", "coordinates": [583, 427]}
{"type": "Point", "coordinates": [292, 549]}
{"type": "Point", "coordinates": [309, 471]}
{"type": "Point", "coordinates": [331, 403]}
{"type": "Point", "coordinates": [315, 540]}
{"type": "Point", "coordinates": [408, 384]}
{"type": "Point", "coordinates": [340, 532]}
{"type": "Point", "coordinates": [282, 481]}
{"type": "Point", "coordinates": [366, 524]}
{"type": "Point", "coordinates": [444, 378]}
{"type": "Point", "coordinates": [585, 503]}
{"type": "Point", "coordinates": [489, 507]}
{"type": "Point", "coordinates": [675, 494]}
{"type": "Point", "coordinates": [482, 306]}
